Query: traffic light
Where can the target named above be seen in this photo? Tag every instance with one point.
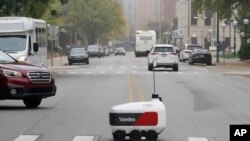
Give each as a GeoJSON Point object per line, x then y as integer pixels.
{"type": "Point", "coordinates": [64, 1]}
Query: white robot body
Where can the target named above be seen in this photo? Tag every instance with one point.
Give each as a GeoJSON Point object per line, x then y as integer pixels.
{"type": "Point", "coordinates": [138, 119]}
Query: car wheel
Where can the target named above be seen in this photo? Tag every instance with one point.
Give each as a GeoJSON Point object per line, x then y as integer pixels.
{"type": "Point", "coordinates": [175, 68]}
{"type": "Point", "coordinates": [191, 62]}
{"type": "Point", "coordinates": [87, 62]}
{"type": "Point", "coordinates": [150, 67]}
{"type": "Point", "coordinates": [32, 102]}
{"type": "Point", "coordinates": [70, 63]}
{"type": "Point", "coordinates": [209, 63]}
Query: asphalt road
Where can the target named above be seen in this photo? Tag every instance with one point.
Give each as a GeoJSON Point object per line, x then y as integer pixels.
{"type": "Point", "coordinates": [200, 105]}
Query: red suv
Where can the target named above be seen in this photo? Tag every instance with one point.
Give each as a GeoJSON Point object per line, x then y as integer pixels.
{"type": "Point", "coordinates": [22, 81]}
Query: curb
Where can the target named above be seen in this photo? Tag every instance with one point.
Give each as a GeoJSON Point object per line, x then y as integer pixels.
{"type": "Point", "coordinates": [243, 74]}
{"type": "Point", "coordinates": [62, 67]}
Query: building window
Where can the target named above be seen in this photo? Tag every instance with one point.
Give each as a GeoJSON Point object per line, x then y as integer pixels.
{"type": "Point", "coordinates": [193, 14]}
{"type": "Point", "coordinates": [208, 15]}
{"type": "Point", "coordinates": [194, 40]}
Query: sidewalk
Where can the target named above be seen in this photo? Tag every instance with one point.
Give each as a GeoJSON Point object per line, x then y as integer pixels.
{"type": "Point", "coordinates": [60, 62]}
{"type": "Point", "coordinates": [231, 67]}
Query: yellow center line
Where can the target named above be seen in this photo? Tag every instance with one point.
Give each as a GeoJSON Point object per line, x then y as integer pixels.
{"type": "Point", "coordinates": [139, 88]}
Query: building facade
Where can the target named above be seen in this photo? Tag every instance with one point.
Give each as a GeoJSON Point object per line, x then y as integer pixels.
{"type": "Point", "coordinates": [201, 28]}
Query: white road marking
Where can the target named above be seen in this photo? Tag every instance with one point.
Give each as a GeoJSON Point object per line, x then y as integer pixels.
{"type": "Point", "coordinates": [83, 138]}
{"type": "Point", "coordinates": [195, 72]}
{"type": "Point", "coordinates": [118, 72]}
{"type": "Point", "coordinates": [72, 72]}
{"type": "Point", "coordinates": [134, 71]}
{"type": "Point", "coordinates": [88, 72]}
{"type": "Point", "coordinates": [197, 139]}
{"type": "Point", "coordinates": [27, 138]}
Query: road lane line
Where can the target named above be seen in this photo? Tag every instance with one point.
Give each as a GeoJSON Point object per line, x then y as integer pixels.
{"type": "Point", "coordinates": [139, 88]}
{"type": "Point", "coordinates": [83, 138]}
{"type": "Point", "coordinates": [118, 72]}
{"type": "Point", "coordinates": [130, 91]}
{"type": "Point", "coordinates": [27, 138]}
{"type": "Point", "coordinates": [134, 71]}
{"type": "Point", "coordinates": [197, 139]}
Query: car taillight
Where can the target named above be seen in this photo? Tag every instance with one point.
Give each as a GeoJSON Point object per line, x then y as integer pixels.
{"type": "Point", "coordinates": [173, 53]}
{"type": "Point", "coordinates": [154, 53]}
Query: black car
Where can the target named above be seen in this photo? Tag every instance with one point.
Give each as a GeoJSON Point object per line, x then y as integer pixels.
{"type": "Point", "coordinates": [78, 55]}
{"type": "Point", "coordinates": [200, 56]}
{"type": "Point", "coordinates": [94, 51]}
{"type": "Point", "coordinates": [120, 51]}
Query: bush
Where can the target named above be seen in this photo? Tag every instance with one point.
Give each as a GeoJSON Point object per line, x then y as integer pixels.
{"type": "Point", "coordinates": [244, 52]}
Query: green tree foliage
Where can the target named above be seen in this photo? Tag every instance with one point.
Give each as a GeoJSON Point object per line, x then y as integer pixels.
{"type": "Point", "coordinates": [244, 52]}
{"type": "Point", "coordinates": [225, 8]}
{"type": "Point", "coordinates": [28, 8]}
{"type": "Point", "coordinates": [95, 19]}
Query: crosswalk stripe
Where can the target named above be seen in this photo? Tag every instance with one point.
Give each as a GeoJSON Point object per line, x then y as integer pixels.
{"type": "Point", "coordinates": [83, 138]}
{"type": "Point", "coordinates": [197, 139]}
{"type": "Point", "coordinates": [27, 138]}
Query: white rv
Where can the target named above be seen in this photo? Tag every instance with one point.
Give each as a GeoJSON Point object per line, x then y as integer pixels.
{"type": "Point", "coordinates": [25, 39]}
{"type": "Point", "coordinates": [144, 42]}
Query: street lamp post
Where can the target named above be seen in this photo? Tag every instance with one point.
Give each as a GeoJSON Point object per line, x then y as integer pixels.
{"type": "Point", "coordinates": [223, 42]}
{"type": "Point", "coordinates": [245, 21]}
{"type": "Point", "coordinates": [235, 24]}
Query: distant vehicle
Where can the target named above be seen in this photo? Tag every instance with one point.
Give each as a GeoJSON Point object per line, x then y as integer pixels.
{"type": "Point", "coordinates": [178, 50]}
{"type": "Point", "coordinates": [120, 51]}
{"type": "Point", "coordinates": [23, 81]}
{"type": "Point", "coordinates": [144, 42]}
{"type": "Point", "coordinates": [186, 52]}
{"type": "Point", "coordinates": [166, 57]}
{"type": "Point", "coordinates": [94, 51]}
{"type": "Point", "coordinates": [200, 56]}
{"type": "Point", "coordinates": [24, 38]}
{"type": "Point", "coordinates": [78, 55]}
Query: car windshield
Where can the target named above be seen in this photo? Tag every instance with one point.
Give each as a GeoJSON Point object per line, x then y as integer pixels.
{"type": "Point", "coordinates": [13, 43]}
{"type": "Point", "coordinates": [5, 58]}
{"type": "Point", "coordinates": [93, 48]}
{"type": "Point", "coordinates": [77, 51]}
{"type": "Point", "coordinates": [201, 51]}
{"type": "Point", "coordinates": [163, 49]}
{"type": "Point", "coordinates": [120, 49]}
{"type": "Point", "coordinates": [192, 47]}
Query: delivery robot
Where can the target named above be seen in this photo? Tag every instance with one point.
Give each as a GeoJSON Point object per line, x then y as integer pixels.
{"type": "Point", "coordinates": [138, 119]}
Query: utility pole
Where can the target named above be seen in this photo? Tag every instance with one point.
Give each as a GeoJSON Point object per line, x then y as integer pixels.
{"type": "Point", "coordinates": [159, 21]}
{"type": "Point", "coordinates": [218, 38]}
{"type": "Point", "coordinates": [188, 21]}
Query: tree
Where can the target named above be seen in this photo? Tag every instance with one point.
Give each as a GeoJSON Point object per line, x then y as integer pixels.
{"type": "Point", "coordinates": [225, 8]}
{"type": "Point", "coordinates": [28, 8]}
{"type": "Point", "coordinates": [95, 19]}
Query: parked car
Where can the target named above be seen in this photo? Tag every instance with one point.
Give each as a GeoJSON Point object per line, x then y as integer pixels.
{"type": "Point", "coordinates": [200, 56]}
{"type": "Point", "coordinates": [120, 51]}
{"type": "Point", "coordinates": [94, 51]}
{"type": "Point", "coordinates": [78, 55]}
{"type": "Point", "coordinates": [166, 57]}
{"type": "Point", "coordinates": [186, 52]}
{"type": "Point", "coordinates": [23, 81]}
